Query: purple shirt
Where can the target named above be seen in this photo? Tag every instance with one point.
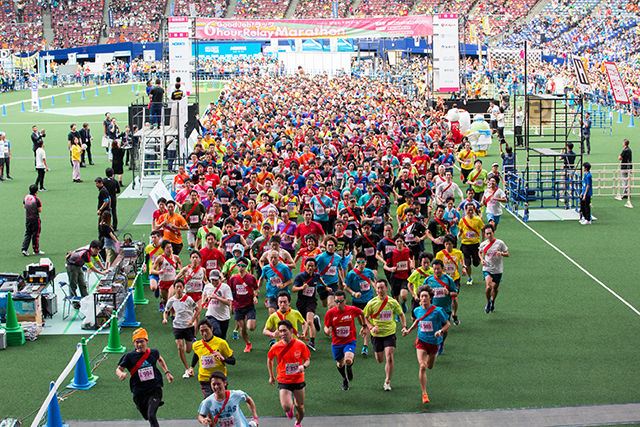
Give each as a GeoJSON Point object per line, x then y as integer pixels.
{"type": "Point", "coordinates": [287, 239]}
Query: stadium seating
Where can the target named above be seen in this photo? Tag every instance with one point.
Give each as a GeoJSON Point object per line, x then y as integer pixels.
{"type": "Point", "coordinates": [320, 9]}
{"type": "Point", "coordinates": [21, 28]}
{"type": "Point", "coordinates": [203, 9]}
{"type": "Point", "coordinates": [261, 8]}
{"type": "Point", "coordinates": [77, 23]}
{"type": "Point", "coordinates": [369, 8]}
{"type": "Point", "coordinates": [136, 21]}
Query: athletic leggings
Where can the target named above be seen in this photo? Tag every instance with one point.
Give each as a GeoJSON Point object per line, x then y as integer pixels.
{"type": "Point", "coordinates": [148, 404]}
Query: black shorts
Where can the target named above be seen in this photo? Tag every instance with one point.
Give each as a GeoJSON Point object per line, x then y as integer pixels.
{"type": "Point", "coordinates": [457, 282]}
{"type": "Point", "coordinates": [177, 248]}
{"type": "Point", "coordinates": [478, 196]}
{"type": "Point", "coordinates": [272, 303]}
{"type": "Point", "coordinates": [360, 305]}
{"type": "Point", "coordinates": [324, 294]}
{"type": "Point", "coordinates": [414, 251]}
{"type": "Point", "coordinates": [186, 334]}
{"type": "Point", "coordinates": [380, 343]}
{"type": "Point", "coordinates": [398, 285]}
{"type": "Point", "coordinates": [248, 312]}
{"type": "Point", "coordinates": [414, 304]}
{"type": "Point", "coordinates": [306, 305]}
{"type": "Point", "coordinates": [470, 253]}
{"type": "Point", "coordinates": [150, 399]}
{"type": "Point", "coordinates": [292, 386]}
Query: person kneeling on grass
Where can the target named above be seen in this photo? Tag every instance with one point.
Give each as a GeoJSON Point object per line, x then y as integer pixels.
{"type": "Point", "coordinates": [222, 408]}
{"type": "Point", "coordinates": [432, 322]}
{"type": "Point", "coordinates": [187, 312]}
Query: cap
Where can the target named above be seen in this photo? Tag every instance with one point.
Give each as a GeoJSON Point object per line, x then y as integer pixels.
{"type": "Point", "coordinates": [495, 164]}
{"type": "Point", "coordinates": [140, 333]}
{"type": "Point", "coordinates": [215, 275]}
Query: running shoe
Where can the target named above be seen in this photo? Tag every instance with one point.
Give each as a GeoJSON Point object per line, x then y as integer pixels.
{"type": "Point", "coordinates": [316, 322]}
{"type": "Point", "coordinates": [469, 281]}
{"type": "Point", "coordinates": [311, 345]}
{"type": "Point", "coordinates": [493, 305]}
{"type": "Point", "coordinates": [235, 335]}
{"type": "Point", "coordinates": [441, 348]}
{"type": "Point", "coordinates": [397, 318]}
{"type": "Point", "coordinates": [487, 309]}
{"type": "Point", "coordinates": [247, 349]}
{"type": "Point", "coordinates": [156, 293]}
{"type": "Point", "coordinates": [404, 307]}
{"type": "Point", "coordinates": [365, 350]}
{"type": "Point", "coordinates": [271, 343]}
{"type": "Point", "coordinates": [349, 373]}
{"type": "Point", "coordinates": [25, 253]}
{"type": "Point", "coordinates": [387, 386]}
{"type": "Point", "coordinates": [345, 384]}
{"type": "Point", "coordinates": [161, 307]}
{"type": "Point", "coordinates": [186, 374]}
{"type": "Point", "coordinates": [38, 252]}
{"type": "Point", "coordinates": [455, 320]}
{"type": "Point", "coordinates": [290, 413]}
{"type": "Point", "coordinates": [425, 398]}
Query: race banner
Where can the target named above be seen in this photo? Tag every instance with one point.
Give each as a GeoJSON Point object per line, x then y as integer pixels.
{"type": "Point", "coordinates": [180, 53]}
{"type": "Point", "coordinates": [255, 29]}
{"type": "Point", "coordinates": [582, 78]}
{"type": "Point", "coordinates": [617, 86]}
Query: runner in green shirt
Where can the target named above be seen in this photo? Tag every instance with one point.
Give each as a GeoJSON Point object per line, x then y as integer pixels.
{"type": "Point", "coordinates": [477, 178]}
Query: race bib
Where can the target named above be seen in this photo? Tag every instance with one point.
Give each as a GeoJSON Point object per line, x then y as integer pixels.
{"type": "Point", "coordinates": [386, 315]}
{"type": "Point", "coordinates": [422, 200]}
{"type": "Point", "coordinates": [408, 238]}
{"type": "Point", "coordinates": [365, 286]}
{"type": "Point", "coordinates": [343, 331]}
{"type": "Point", "coordinates": [229, 246]}
{"type": "Point", "coordinates": [449, 269]}
{"type": "Point", "coordinates": [211, 264]}
{"type": "Point", "coordinates": [224, 200]}
{"type": "Point", "coordinates": [307, 199]}
{"type": "Point", "coordinates": [169, 271]}
{"type": "Point", "coordinates": [439, 293]}
{"type": "Point", "coordinates": [332, 271]}
{"type": "Point", "coordinates": [291, 207]}
{"type": "Point", "coordinates": [320, 210]}
{"type": "Point", "coordinates": [467, 162]}
{"type": "Point", "coordinates": [232, 182]}
{"type": "Point", "coordinates": [348, 233]}
{"type": "Point", "coordinates": [195, 285]}
{"type": "Point", "coordinates": [369, 251]}
{"type": "Point", "coordinates": [291, 368]}
{"type": "Point", "coordinates": [308, 292]}
{"type": "Point", "coordinates": [426, 326]}
{"type": "Point", "coordinates": [208, 361]}
{"type": "Point", "coordinates": [339, 175]}
{"type": "Point", "coordinates": [377, 220]}
{"type": "Point", "coordinates": [295, 187]}
{"type": "Point", "coordinates": [383, 202]}
{"type": "Point", "coordinates": [146, 374]}
{"type": "Point", "coordinates": [214, 302]}
{"type": "Point", "coordinates": [403, 265]}
{"type": "Point", "coordinates": [470, 235]}
{"type": "Point", "coordinates": [491, 202]}
{"type": "Point", "coordinates": [276, 281]}
{"type": "Point", "coordinates": [389, 249]}
{"type": "Point", "coordinates": [226, 422]}
{"type": "Point", "coordinates": [254, 196]}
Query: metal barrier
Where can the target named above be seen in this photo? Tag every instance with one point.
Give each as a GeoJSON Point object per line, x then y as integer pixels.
{"type": "Point", "coordinates": [609, 179]}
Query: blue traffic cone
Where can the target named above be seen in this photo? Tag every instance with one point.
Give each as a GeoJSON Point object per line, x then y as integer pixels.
{"type": "Point", "coordinates": [68, 98]}
{"type": "Point", "coordinates": [631, 124]}
{"type": "Point", "coordinates": [53, 101]}
{"type": "Point", "coordinates": [22, 110]}
{"type": "Point", "coordinates": [619, 116]}
{"type": "Point", "coordinates": [133, 87]}
{"type": "Point", "coordinates": [130, 313]}
{"type": "Point", "coordinates": [83, 97]}
{"type": "Point", "coordinates": [590, 110]}
{"type": "Point", "coordinates": [109, 90]}
{"type": "Point", "coordinates": [54, 419]}
{"type": "Point", "coordinates": [96, 95]}
{"type": "Point", "coordinates": [213, 84]}
{"type": "Point", "coordinates": [80, 380]}
{"type": "Point", "coordinates": [4, 111]}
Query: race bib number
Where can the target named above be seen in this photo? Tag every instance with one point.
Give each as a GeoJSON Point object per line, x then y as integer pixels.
{"type": "Point", "coordinates": [276, 281]}
{"type": "Point", "coordinates": [242, 289]}
{"type": "Point", "coordinates": [339, 175]}
{"type": "Point", "coordinates": [307, 199]}
{"type": "Point", "coordinates": [408, 238]}
{"type": "Point", "coordinates": [426, 326]}
{"type": "Point", "coordinates": [226, 422]}
{"type": "Point", "coordinates": [211, 264]}
{"type": "Point", "coordinates": [467, 162]}
{"type": "Point", "coordinates": [422, 200]}
{"type": "Point", "coordinates": [348, 233]}
{"type": "Point", "coordinates": [491, 202]}
{"type": "Point", "coordinates": [146, 374]}
{"type": "Point", "coordinates": [309, 291]}
{"type": "Point", "coordinates": [332, 271]}
{"type": "Point", "coordinates": [208, 361]}
{"type": "Point", "coordinates": [195, 285]}
{"type": "Point", "coordinates": [291, 368]}
{"type": "Point", "coordinates": [295, 187]}
{"type": "Point", "coordinates": [449, 269]}
{"type": "Point", "coordinates": [320, 210]}
{"type": "Point", "coordinates": [365, 286]}
{"type": "Point", "coordinates": [389, 249]}
{"type": "Point", "coordinates": [403, 265]}
{"type": "Point", "coordinates": [369, 251]}
{"type": "Point", "coordinates": [232, 182]}
{"type": "Point", "coordinates": [291, 207]}
{"type": "Point", "coordinates": [470, 235]}
{"type": "Point", "coordinates": [377, 220]}
{"type": "Point", "coordinates": [386, 315]}
{"type": "Point", "coordinates": [169, 271]}
{"type": "Point", "coordinates": [229, 246]}
{"type": "Point", "coordinates": [224, 200]}
{"type": "Point", "coordinates": [383, 202]}
{"type": "Point", "coordinates": [439, 293]}
{"type": "Point", "coordinates": [343, 331]}
{"type": "Point", "coordinates": [214, 302]}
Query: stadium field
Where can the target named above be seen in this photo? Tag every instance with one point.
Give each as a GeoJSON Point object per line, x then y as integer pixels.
{"type": "Point", "coordinates": [560, 334]}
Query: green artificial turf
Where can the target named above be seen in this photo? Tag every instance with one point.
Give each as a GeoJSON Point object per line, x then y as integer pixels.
{"type": "Point", "coordinates": [556, 337]}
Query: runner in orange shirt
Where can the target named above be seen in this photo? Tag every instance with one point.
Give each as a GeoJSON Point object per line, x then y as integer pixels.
{"type": "Point", "coordinates": [170, 224]}
{"type": "Point", "coordinates": [293, 359]}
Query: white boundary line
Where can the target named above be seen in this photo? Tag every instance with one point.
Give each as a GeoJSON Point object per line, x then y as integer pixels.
{"type": "Point", "coordinates": [575, 263]}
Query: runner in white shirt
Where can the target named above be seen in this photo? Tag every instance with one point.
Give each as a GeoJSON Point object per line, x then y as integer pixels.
{"type": "Point", "coordinates": [187, 313]}
{"type": "Point", "coordinates": [491, 252]}
{"type": "Point", "coordinates": [448, 189]}
{"type": "Point", "coordinates": [219, 297]}
{"type": "Point", "coordinates": [195, 276]}
{"type": "Point", "coordinates": [491, 199]}
{"type": "Point", "coordinates": [222, 408]}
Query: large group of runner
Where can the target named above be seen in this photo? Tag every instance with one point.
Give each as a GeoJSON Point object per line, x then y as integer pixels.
{"type": "Point", "coordinates": [305, 190]}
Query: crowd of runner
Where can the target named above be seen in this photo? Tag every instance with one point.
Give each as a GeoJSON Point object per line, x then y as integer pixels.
{"type": "Point", "coordinates": [330, 201]}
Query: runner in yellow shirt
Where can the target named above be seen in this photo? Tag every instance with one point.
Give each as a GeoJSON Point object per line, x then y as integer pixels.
{"type": "Point", "coordinates": [467, 158]}
{"type": "Point", "coordinates": [213, 353]}
{"type": "Point", "coordinates": [284, 312]}
{"type": "Point", "coordinates": [469, 233]}
{"type": "Point", "coordinates": [452, 259]}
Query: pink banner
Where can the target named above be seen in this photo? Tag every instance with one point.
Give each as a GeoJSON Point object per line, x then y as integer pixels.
{"type": "Point", "coordinates": [617, 86]}
{"type": "Point", "coordinates": [255, 29]}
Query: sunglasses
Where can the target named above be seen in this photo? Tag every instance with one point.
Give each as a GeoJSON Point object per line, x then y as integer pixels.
{"type": "Point", "coordinates": [241, 265]}
{"type": "Point", "coordinates": [361, 261]}
{"type": "Point", "coordinates": [339, 301]}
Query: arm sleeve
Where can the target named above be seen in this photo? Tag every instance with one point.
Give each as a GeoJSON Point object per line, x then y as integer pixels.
{"type": "Point", "coordinates": [194, 360]}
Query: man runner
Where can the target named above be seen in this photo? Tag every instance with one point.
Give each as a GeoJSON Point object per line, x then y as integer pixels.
{"type": "Point", "coordinates": [491, 252]}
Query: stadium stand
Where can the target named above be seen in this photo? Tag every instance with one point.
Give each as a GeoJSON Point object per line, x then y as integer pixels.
{"type": "Point", "coordinates": [320, 9]}
{"type": "Point", "coordinates": [21, 27]}
{"type": "Point", "coordinates": [204, 9]}
{"type": "Point", "coordinates": [76, 23]}
{"type": "Point", "coordinates": [370, 8]}
{"type": "Point", "coordinates": [136, 20]}
{"type": "Point", "coordinates": [261, 9]}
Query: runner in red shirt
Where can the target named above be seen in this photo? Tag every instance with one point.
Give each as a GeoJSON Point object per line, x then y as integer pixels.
{"type": "Point", "coordinates": [306, 228]}
{"type": "Point", "coordinates": [400, 264]}
{"type": "Point", "coordinates": [212, 257]}
{"type": "Point", "coordinates": [339, 324]}
{"type": "Point", "coordinates": [245, 296]}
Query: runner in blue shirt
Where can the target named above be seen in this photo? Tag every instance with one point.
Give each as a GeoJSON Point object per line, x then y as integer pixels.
{"type": "Point", "coordinates": [444, 290]}
{"type": "Point", "coordinates": [320, 205]}
{"type": "Point", "coordinates": [222, 408]}
{"type": "Point", "coordinates": [330, 268]}
{"type": "Point", "coordinates": [278, 277]}
{"type": "Point", "coordinates": [359, 283]}
{"type": "Point", "coordinates": [432, 322]}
